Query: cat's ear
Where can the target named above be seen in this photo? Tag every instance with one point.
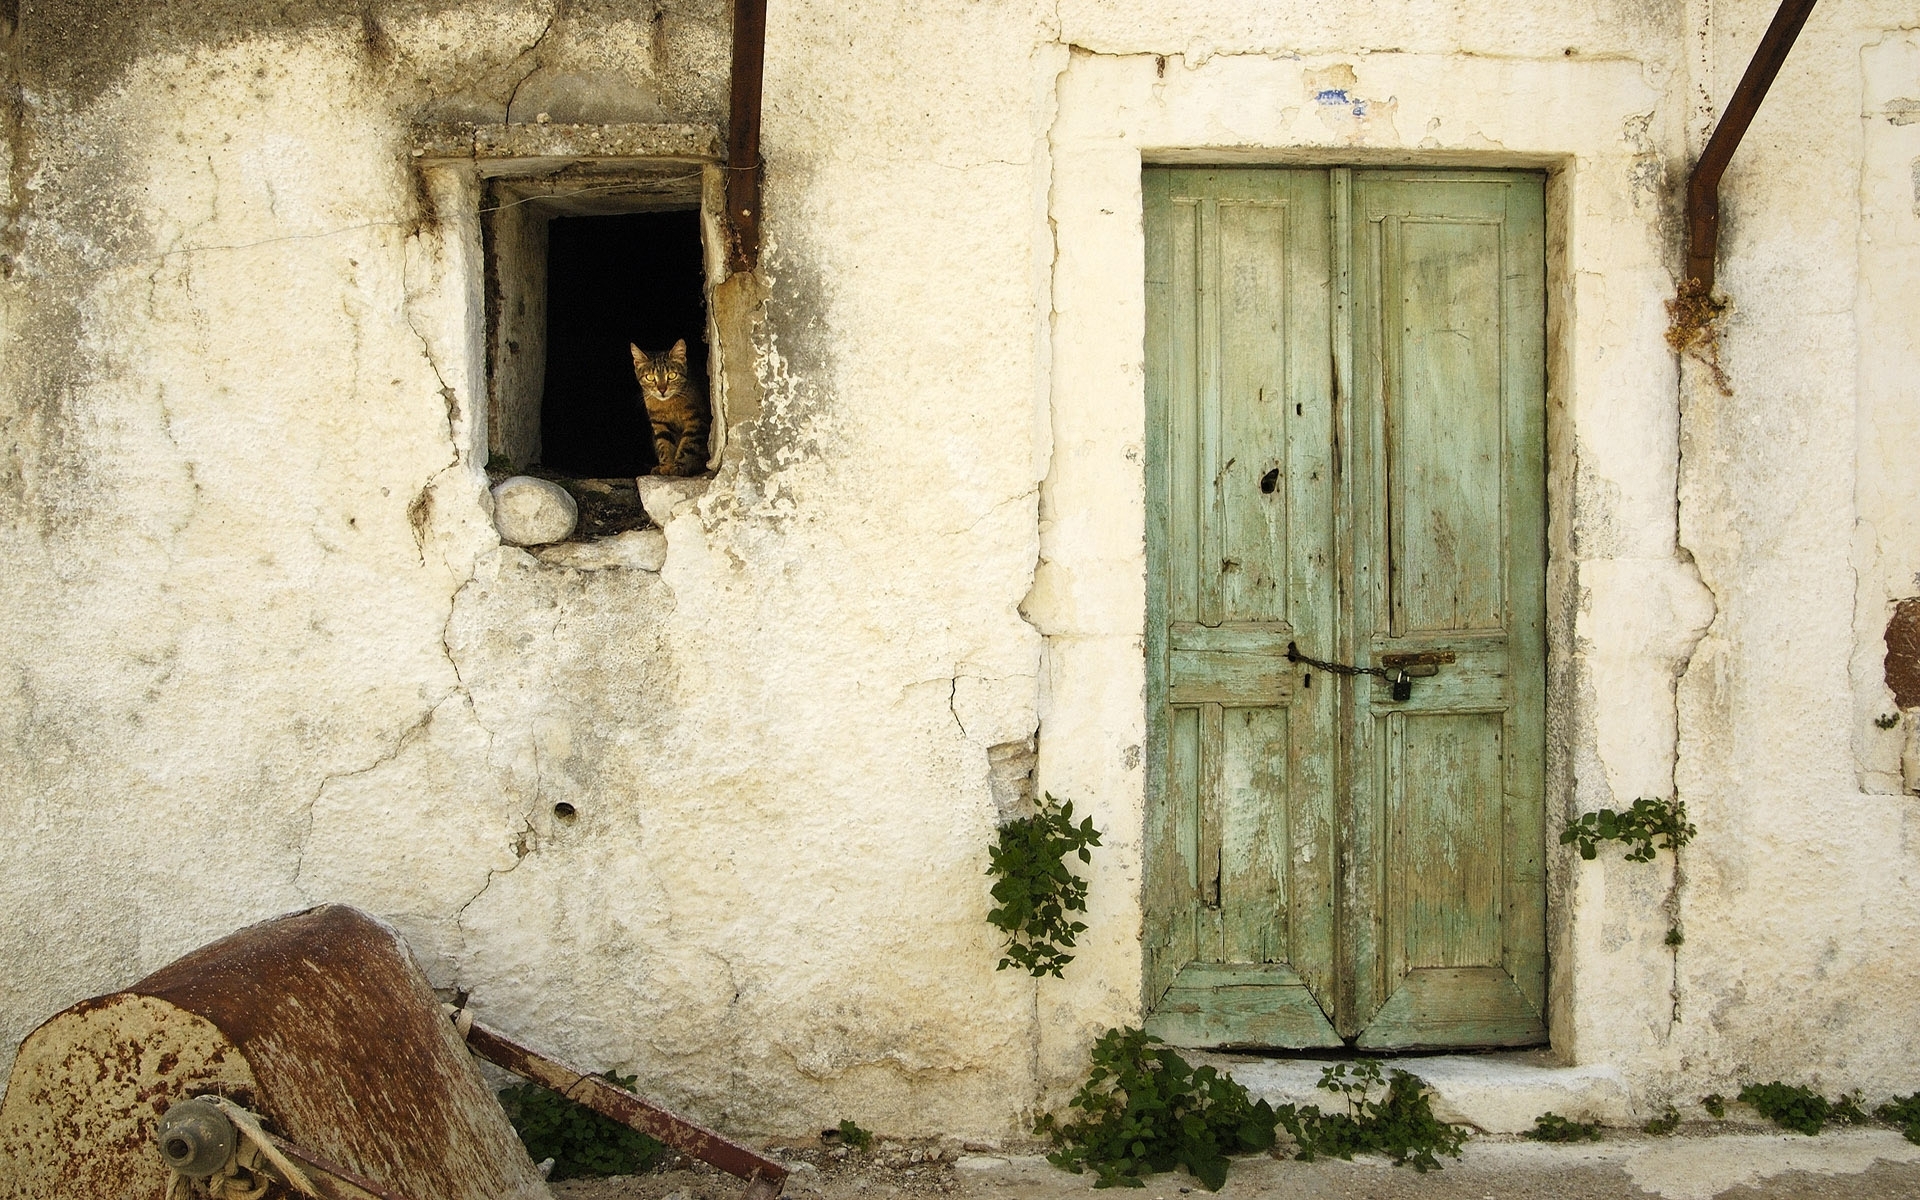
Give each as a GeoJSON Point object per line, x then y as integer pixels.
{"type": "Point", "coordinates": [679, 353]}
{"type": "Point", "coordinates": [639, 357]}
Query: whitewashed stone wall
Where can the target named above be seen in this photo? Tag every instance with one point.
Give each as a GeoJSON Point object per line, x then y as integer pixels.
{"type": "Point", "coordinates": [262, 648]}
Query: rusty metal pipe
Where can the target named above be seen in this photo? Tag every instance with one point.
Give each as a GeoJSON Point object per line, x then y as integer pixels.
{"type": "Point", "coordinates": [743, 133]}
{"type": "Point", "coordinates": [764, 1177]}
{"type": "Point", "coordinates": [1703, 187]}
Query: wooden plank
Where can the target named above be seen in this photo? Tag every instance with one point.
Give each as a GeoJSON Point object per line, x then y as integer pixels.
{"type": "Point", "coordinates": [1447, 1007]}
{"type": "Point", "coordinates": [1219, 677]}
{"type": "Point", "coordinates": [1163, 874]}
{"type": "Point", "coordinates": [1524, 321]}
{"type": "Point", "coordinates": [1258, 637]}
{"type": "Point", "coordinates": [1254, 797]}
{"type": "Point", "coordinates": [1241, 1005]}
{"type": "Point", "coordinates": [1445, 791]}
{"type": "Point", "coordinates": [1209, 936]}
{"type": "Point", "coordinates": [1250, 503]}
{"type": "Point", "coordinates": [1442, 292]}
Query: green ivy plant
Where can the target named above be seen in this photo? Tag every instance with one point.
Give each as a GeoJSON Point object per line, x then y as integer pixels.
{"type": "Point", "coordinates": [850, 1134]}
{"type": "Point", "coordinates": [1552, 1127]}
{"type": "Point", "coordinates": [1143, 1109]}
{"type": "Point", "coordinates": [1637, 827]}
{"type": "Point", "coordinates": [1400, 1124]}
{"type": "Point", "coordinates": [1034, 893]}
{"type": "Point", "coordinates": [1803, 1110]}
{"type": "Point", "coordinates": [581, 1142]}
{"type": "Point", "coordinates": [1903, 1111]}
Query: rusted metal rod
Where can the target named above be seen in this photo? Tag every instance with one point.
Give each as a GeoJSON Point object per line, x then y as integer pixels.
{"type": "Point", "coordinates": [330, 1179]}
{"type": "Point", "coordinates": [1703, 188]}
{"type": "Point", "coordinates": [743, 133]}
{"type": "Point", "coordinates": [764, 1176]}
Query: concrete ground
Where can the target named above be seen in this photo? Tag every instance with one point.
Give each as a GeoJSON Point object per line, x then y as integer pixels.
{"type": "Point", "coordinates": [1697, 1163]}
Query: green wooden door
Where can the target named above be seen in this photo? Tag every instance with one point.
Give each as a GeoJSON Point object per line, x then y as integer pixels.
{"type": "Point", "coordinates": [1345, 439]}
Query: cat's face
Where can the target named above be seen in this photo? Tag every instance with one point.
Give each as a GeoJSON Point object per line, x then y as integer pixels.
{"type": "Point", "coordinates": [660, 374]}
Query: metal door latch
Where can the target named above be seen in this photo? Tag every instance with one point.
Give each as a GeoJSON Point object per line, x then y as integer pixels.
{"type": "Point", "coordinates": [1397, 671]}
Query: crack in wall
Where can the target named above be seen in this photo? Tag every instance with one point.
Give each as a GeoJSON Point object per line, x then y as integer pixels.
{"type": "Point", "coordinates": [401, 741]}
{"type": "Point", "coordinates": [559, 10]}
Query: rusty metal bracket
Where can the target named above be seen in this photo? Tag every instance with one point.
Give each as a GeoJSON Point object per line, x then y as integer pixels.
{"type": "Point", "coordinates": [744, 164]}
{"type": "Point", "coordinates": [1417, 662]}
{"type": "Point", "coordinates": [764, 1176]}
{"type": "Point", "coordinates": [1703, 186]}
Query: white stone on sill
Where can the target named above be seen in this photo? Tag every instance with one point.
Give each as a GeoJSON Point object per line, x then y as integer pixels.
{"type": "Point", "coordinates": [532, 512]}
{"type": "Point", "coordinates": [662, 495]}
{"type": "Point", "coordinates": [642, 549]}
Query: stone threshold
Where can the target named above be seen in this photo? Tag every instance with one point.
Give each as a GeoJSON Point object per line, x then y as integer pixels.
{"type": "Point", "coordinates": [1493, 1093]}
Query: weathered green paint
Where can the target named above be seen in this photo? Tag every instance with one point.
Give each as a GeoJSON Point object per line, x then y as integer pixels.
{"type": "Point", "coordinates": [1346, 431]}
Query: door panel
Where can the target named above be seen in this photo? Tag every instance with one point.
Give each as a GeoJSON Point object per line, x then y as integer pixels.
{"type": "Point", "coordinates": [1345, 388]}
{"type": "Point", "coordinates": [1240, 821]}
{"type": "Point", "coordinates": [1448, 408]}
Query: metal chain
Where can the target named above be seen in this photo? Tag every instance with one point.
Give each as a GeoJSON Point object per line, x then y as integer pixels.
{"type": "Point", "coordinates": [1294, 655]}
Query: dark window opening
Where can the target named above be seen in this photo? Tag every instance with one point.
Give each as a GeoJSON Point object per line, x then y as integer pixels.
{"type": "Point", "coordinates": [613, 280]}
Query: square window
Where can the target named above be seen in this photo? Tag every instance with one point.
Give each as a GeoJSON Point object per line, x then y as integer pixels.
{"type": "Point", "coordinates": [579, 267]}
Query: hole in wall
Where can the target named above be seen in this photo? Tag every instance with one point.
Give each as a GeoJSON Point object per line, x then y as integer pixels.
{"type": "Point", "coordinates": [565, 812]}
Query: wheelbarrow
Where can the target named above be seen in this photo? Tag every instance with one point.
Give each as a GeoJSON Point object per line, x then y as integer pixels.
{"type": "Point", "coordinates": [306, 1056]}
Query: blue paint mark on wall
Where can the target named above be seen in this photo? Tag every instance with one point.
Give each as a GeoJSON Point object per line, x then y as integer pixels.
{"type": "Point", "coordinates": [1333, 96]}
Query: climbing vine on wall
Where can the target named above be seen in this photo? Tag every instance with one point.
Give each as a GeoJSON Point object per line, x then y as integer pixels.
{"type": "Point", "coordinates": [1637, 828]}
{"type": "Point", "coordinates": [1034, 891]}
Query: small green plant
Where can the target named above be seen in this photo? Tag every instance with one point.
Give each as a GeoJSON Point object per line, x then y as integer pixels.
{"type": "Point", "coordinates": [1144, 1109]}
{"type": "Point", "coordinates": [854, 1136]}
{"type": "Point", "coordinates": [1400, 1124]}
{"type": "Point", "coordinates": [1675, 937]}
{"type": "Point", "coordinates": [581, 1142]}
{"type": "Point", "coordinates": [1552, 1127]}
{"type": "Point", "coordinates": [1800, 1109]}
{"type": "Point", "coordinates": [1035, 892]}
{"type": "Point", "coordinates": [1904, 1112]}
{"type": "Point", "coordinates": [1887, 720]}
{"type": "Point", "coordinates": [1715, 1104]}
{"type": "Point", "coordinates": [1637, 827]}
{"type": "Point", "coordinates": [1663, 1124]}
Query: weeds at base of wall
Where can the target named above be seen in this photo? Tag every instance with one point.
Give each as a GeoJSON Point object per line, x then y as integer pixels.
{"type": "Point", "coordinates": [1803, 1110]}
{"type": "Point", "coordinates": [1552, 1127]}
{"type": "Point", "coordinates": [1034, 892]}
{"type": "Point", "coordinates": [1789, 1106]}
{"type": "Point", "coordinates": [1146, 1110]}
{"type": "Point", "coordinates": [581, 1142]}
{"type": "Point", "coordinates": [848, 1134]}
{"type": "Point", "coordinates": [1400, 1124]}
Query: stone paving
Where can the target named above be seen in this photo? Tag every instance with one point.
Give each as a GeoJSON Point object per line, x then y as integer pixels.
{"type": "Point", "coordinates": [1701, 1163]}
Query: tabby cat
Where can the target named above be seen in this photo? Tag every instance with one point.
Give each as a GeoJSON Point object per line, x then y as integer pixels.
{"type": "Point", "coordinates": [677, 407]}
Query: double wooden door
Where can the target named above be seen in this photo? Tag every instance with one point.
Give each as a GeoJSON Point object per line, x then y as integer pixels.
{"type": "Point", "coordinates": [1346, 409]}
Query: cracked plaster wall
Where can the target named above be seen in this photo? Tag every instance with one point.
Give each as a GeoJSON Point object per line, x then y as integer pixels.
{"type": "Point", "coordinates": [1798, 503]}
{"type": "Point", "coordinates": [262, 649]}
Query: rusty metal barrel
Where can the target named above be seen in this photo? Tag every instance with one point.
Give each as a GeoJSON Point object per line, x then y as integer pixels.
{"type": "Point", "coordinates": [319, 1022]}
